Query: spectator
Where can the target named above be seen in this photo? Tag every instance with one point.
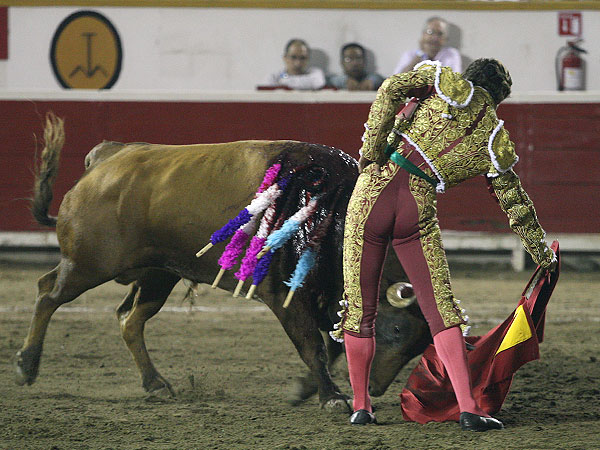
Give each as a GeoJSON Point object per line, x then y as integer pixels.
{"type": "Point", "coordinates": [297, 74]}
{"type": "Point", "coordinates": [432, 46]}
{"type": "Point", "coordinates": [355, 76]}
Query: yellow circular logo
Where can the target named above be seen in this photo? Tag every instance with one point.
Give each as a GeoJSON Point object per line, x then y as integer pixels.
{"type": "Point", "coordinates": [86, 52]}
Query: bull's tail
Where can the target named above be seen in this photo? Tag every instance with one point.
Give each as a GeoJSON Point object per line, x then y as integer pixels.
{"type": "Point", "coordinates": [46, 170]}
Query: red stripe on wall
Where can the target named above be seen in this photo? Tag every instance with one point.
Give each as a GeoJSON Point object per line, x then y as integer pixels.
{"type": "Point", "coordinates": [3, 32]}
{"type": "Point", "coordinates": [559, 147]}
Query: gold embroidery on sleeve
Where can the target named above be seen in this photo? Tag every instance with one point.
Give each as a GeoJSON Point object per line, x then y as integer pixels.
{"type": "Point", "coordinates": [522, 218]}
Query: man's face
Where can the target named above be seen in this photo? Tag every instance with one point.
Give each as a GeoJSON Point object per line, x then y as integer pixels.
{"type": "Point", "coordinates": [353, 62]}
{"type": "Point", "coordinates": [434, 37]}
{"type": "Point", "coordinates": [296, 59]}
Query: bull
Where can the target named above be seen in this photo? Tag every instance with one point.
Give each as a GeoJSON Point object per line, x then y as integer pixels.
{"type": "Point", "coordinates": [140, 212]}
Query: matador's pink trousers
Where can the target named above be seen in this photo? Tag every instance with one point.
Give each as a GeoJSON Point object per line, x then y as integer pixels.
{"type": "Point", "coordinates": [403, 211]}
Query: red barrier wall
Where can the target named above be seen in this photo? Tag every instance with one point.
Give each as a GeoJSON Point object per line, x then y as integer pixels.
{"type": "Point", "coordinates": [559, 147]}
{"type": "Point", "coordinates": [3, 32]}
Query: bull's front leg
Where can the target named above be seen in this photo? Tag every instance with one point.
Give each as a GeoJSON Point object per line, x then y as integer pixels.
{"type": "Point", "coordinates": [300, 324]}
{"type": "Point", "coordinates": [307, 386]}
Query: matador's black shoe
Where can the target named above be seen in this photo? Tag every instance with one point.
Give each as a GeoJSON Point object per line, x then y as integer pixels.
{"type": "Point", "coordinates": [474, 422]}
{"type": "Point", "coordinates": [362, 417]}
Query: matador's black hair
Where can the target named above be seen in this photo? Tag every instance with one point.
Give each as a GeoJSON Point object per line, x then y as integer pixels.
{"type": "Point", "coordinates": [491, 75]}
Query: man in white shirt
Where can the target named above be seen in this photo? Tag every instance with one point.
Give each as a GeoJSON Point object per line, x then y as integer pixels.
{"type": "Point", "coordinates": [432, 46]}
{"type": "Point", "coordinates": [297, 74]}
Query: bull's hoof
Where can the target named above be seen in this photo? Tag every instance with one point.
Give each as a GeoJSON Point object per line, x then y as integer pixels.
{"type": "Point", "coordinates": [158, 386]}
{"type": "Point", "coordinates": [303, 389]}
{"type": "Point", "coordinates": [26, 366]}
{"type": "Point", "coordinates": [162, 395]}
{"type": "Point", "coordinates": [21, 378]}
{"type": "Point", "coordinates": [335, 405]}
{"type": "Point", "coordinates": [295, 401]}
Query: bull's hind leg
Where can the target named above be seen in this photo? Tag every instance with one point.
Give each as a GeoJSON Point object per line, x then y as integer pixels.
{"type": "Point", "coordinates": [145, 298]}
{"type": "Point", "coordinates": [59, 286]}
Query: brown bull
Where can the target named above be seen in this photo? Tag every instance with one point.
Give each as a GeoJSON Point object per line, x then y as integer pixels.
{"type": "Point", "coordinates": [140, 213]}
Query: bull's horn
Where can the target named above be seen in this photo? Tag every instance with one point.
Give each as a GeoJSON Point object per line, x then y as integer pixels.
{"type": "Point", "coordinates": [288, 299]}
{"type": "Point", "coordinates": [218, 278]}
{"type": "Point", "coordinates": [206, 248]}
{"type": "Point", "coordinates": [238, 288]}
{"type": "Point", "coordinates": [251, 292]}
{"type": "Point", "coordinates": [263, 252]}
{"type": "Point", "coordinates": [400, 295]}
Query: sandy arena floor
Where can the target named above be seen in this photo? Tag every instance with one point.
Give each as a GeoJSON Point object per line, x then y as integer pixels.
{"type": "Point", "coordinates": [233, 367]}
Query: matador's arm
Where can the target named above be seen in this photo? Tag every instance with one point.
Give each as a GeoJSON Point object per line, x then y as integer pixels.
{"type": "Point", "coordinates": [522, 218]}
{"type": "Point", "coordinates": [393, 92]}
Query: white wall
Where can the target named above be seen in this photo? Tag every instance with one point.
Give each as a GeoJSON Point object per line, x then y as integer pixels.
{"type": "Point", "coordinates": [235, 49]}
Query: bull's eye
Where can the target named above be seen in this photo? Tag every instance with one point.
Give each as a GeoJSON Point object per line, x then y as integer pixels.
{"type": "Point", "coordinates": [396, 329]}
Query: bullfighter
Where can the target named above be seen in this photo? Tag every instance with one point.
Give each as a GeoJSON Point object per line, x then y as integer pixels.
{"type": "Point", "coordinates": [449, 132]}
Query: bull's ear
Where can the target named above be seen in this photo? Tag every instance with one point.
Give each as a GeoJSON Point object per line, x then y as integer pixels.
{"type": "Point", "coordinates": [400, 295]}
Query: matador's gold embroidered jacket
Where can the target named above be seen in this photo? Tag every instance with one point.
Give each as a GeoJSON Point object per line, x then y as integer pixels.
{"type": "Point", "coordinates": [457, 132]}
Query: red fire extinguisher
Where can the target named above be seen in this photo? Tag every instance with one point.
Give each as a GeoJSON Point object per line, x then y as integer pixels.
{"type": "Point", "coordinates": [570, 67]}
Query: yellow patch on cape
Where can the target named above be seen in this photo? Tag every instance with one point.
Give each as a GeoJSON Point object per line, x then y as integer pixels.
{"type": "Point", "coordinates": [518, 332]}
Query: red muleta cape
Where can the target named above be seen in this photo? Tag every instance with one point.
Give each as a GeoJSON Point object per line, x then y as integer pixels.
{"type": "Point", "coordinates": [428, 394]}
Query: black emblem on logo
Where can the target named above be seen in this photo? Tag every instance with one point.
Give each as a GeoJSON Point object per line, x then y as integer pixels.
{"type": "Point", "coordinates": [89, 71]}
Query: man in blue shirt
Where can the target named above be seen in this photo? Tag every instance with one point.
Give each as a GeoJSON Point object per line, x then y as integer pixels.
{"type": "Point", "coordinates": [355, 76]}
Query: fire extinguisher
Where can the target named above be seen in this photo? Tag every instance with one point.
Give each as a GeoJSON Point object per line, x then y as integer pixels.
{"type": "Point", "coordinates": [570, 67]}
